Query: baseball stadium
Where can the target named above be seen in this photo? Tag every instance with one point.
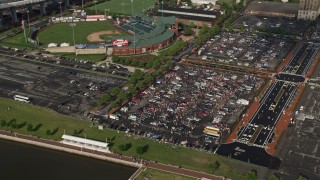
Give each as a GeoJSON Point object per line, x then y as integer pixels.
{"type": "Point", "coordinates": [100, 34]}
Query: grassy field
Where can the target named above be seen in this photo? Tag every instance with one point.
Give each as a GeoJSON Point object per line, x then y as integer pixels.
{"type": "Point", "coordinates": [62, 32]}
{"type": "Point", "coordinates": [85, 57]}
{"type": "Point", "coordinates": [17, 41]}
{"type": "Point", "coordinates": [124, 6]}
{"type": "Point", "coordinates": [163, 153]}
{"type": "Point", "coordinates": [154, 174]}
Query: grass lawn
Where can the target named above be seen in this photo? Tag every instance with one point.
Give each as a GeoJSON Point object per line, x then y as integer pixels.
{"type": "Point", "coordinates": [85, 57]}
{"type": "Point", "coordinates": [62, 32]}
{"type": "Point", "coordinates": [154, 174]}
{"type": "Point", "coordinates": [17, 41]}
{"type": "Point", "coordinates": [125, 6]}
{"type": "Point", "coordinates": [163, 153]}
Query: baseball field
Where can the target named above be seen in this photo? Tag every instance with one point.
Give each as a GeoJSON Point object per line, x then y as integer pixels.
{"type": "Point", "coordinates": [124, 6]}
{"type": "Point", "coordinates": [85, 32]}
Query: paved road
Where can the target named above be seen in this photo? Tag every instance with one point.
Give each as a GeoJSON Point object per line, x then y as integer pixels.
{"type": "Point", "coordinates": [256, 135]}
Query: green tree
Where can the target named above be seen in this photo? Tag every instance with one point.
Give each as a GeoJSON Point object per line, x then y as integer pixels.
{"type": "Point", "coordinates": [302, 178]}
{"type": "Point", "coordinates": [114, 104]}
{"type": "Point", "coordinates": [127, 62]}
{"type": "Point", "coordinates": [122, 96]}
{"type": "Point", "coordinates": [142, 64]}
{"type": "Point", "coordinates": [251, 175]}
{"type": "Point", "coordinates": [142, 149]}
{"type": "Point", "coordinates": [274, 177]}
{"type": "Point", "coordinates": [204, 29]}
{"type": "Point", "coordinates": [149, 64]}
{"type": "Point", "coordinates": [30, 127]}
{"type": "Point", "coordinates": [115, 91]}
{"type": "Point", "coordinates": [125, 147]}
{"type": "Point", "coordinates": [3, 122]}
{"type": "Point", "coordinates": [140, 84]}
{"type": "Point", "coordinates": [132, 90]}
{"type": "Point", "coordinates": [214, 166]}
{"type": "Point", "coordinates": [188, 30]}
{"type": "Point", "coordinates": [48, 132]}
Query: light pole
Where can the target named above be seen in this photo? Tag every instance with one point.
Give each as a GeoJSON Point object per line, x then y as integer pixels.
{"type": "Point", "coordinates": [82, 4]}
{"type": "Point", "coordinates": [105, 12]}
{"type": "Point", "coordinates": [28, 21]}
{"type": "Point", "coordinates": [74, 40]}
{"type": "Point", "coordinates": [134, 29]}
{"type": "Point", "coordinates": [60, 9]}
{"type": "Point", "coordinates": [95, 6]}
{"type": "Point", "coordinates": [162, 8]}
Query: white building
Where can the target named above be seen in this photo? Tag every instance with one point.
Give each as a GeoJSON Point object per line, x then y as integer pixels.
{"type": "Point", "coordinates": [85, 143]}
{"type": "Point", "coordinates": [309, 9]}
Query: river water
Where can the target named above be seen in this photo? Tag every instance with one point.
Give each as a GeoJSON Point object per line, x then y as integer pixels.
{"type": "Point", "coordinates": [23, 162]}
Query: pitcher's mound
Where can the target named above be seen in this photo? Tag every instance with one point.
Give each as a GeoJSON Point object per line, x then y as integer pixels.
{"type": "Point", "coordinates": [95, 37]}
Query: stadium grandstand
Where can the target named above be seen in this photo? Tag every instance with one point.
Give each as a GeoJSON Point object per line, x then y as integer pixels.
{"type": "Point", "coordinates": [147, 34]}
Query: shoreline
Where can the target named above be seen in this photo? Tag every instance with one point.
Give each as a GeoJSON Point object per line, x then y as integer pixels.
{"type": "Point", "coordinates": [140, 164]}
{"type": "Point", "coordinates": [54, 145]}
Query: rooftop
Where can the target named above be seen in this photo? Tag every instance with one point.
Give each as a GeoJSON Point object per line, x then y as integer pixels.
{"type": "Point", "coordinates": [276, 7]}
{"type": "Point", "coordinates": [193, 11]}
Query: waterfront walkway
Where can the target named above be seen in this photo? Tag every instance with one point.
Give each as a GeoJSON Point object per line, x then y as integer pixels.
{"type": "Point", "coordinates": [116, 158]}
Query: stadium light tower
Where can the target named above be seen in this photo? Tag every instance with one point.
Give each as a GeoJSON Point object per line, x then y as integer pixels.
{"type": "Point", "coordinates": [95, 6]}
{"type": "Point", "coordinates": [105, 12]}
{"type": "Point", "coordinates": [134, 29]}
{"type": "Point", "coordinates": [162, 8]}
{"type": "Point", "coordinates": [28, 21]}
{"type": "Point", "coordinates": [60, 9]}
{"type": "Point", "coordinates": [122, 7]}
{"type": "Point", "coordinates": [74, 40]}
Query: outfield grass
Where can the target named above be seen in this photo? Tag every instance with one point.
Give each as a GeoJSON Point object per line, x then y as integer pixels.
{"type": "Point", "coordinates": [62, 32]}
{"type": "Point", "coordinates": [154, 174]}
{"type": "Point", "coordinates": [163, 153]}
{"type": "Point", "coordinates": [125, 6]}
{"type": "Point", "coordinates": [85, 57]}
{"type": "Point", "coordinates": [18, 41]}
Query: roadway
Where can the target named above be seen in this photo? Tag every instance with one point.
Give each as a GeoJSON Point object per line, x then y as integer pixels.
{"type": "Point", "coordinates": [253, 138]}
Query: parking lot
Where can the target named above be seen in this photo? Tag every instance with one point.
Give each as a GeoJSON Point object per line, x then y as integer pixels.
{"type": "Point", "coordinates": [246, 49]}
{"type": "Point", "coordinates": [284, 25]}
{"type": "Point", "coordinates": [179, 105]}
{"type": "Point", "coordinates": [65, 90]}
{"type": "Point", "coordinates": [67, 61]}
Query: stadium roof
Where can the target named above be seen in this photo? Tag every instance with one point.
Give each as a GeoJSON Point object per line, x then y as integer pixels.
{"type": "Point", "coordinates": [193, 11]}
{"type": "Point", "coordinates": [166, 20]}
{"type": "Point", "coordinates": [194, 18]}
{"type": "Point", "coordinates": [275, 7]}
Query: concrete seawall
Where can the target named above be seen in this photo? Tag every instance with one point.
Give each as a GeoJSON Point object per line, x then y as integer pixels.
{"type": "Point", "coordinates": [73, 151]}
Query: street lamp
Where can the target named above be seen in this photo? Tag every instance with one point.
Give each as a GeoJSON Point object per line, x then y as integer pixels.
{"type": "Point", "coordinates": [60, 9]}
{"type": "Point", "coordinates": [82, 4]}
{"type": "Point", "coordinates": [74, 40]}
{"type": "Point", "coordinates": [28, 21]}
{"type": "Point", "coordinates": [95, 6]}
{"type": "Point", "coordinates": [162, 8]}
{"type": "Point", "coordinates": [105, 12]}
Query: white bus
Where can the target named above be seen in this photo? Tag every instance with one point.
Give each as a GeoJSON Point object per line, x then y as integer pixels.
{"type": "Point", "coordinates": [21, 98]}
